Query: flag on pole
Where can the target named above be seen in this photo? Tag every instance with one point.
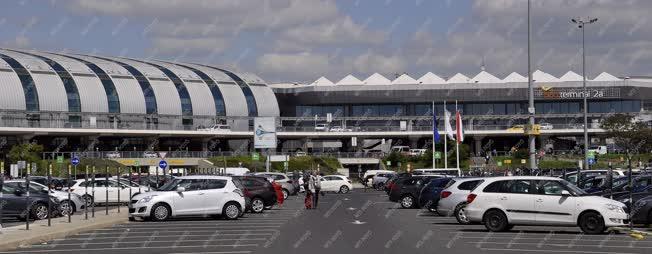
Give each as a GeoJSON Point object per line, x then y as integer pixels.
{"type": "Point", "coordinates": [435, 132]}
{"type": "Point", "coordinates": [447, 124]}
{"type": "Point", "coordinates": [458, 127]}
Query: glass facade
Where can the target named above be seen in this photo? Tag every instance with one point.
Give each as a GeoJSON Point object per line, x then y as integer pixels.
{"type": "Point", "coordinates": [220, 108]}
{"type": "Point", "coordinates": [107, 83]}
{"type": "Point", "coordinates": [74, 103]}
{"type": "Point", "coordinates": [509, 108]}
{"type": "Point", "coordinates": [29, 89]}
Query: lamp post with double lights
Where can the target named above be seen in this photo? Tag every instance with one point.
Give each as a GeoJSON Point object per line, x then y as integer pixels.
{"type": "Point", "coordinates": [581, 24]}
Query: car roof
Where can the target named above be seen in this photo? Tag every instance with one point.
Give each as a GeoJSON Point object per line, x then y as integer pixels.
{"type": "Point", "coordinates": [523, 178]}
{"type": "Point", "coordinates": [205, 177]}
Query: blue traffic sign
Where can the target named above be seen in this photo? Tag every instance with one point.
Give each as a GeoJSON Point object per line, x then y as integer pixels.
{"type": "Point", "coordinates": [74, 161]}
{"type": "Point", "coordinates": [163, 164]}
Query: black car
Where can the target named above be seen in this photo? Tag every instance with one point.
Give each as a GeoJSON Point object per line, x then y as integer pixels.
{"type": "Point", "coordinates": [56, 183]}
{"type": "Point", "coordinates": [406, 190]}
{"type": "Point", "coordinates": [15, 203]}
{"type": "Point", "coordinates": [642, 210]}
{"type": "Point", "coordinates": [259, 193]}
{"type": "Point", "coordinates": [392, 180]}
{"type": "Point", "coordinates": [429, 195]}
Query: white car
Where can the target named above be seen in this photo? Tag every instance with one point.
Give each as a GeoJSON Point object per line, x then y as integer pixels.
{"type": "Point", "coordinates": [150, 155]}
{"type": "Point", "coordinates": [75, 203]}
{"type": "Point", "coordinates": [452, 199]}
{"type": "Point", "coordinates": [340, 129]}
{"type": "Point", "coordinates": [336, 183]}
{"type": "Point", "coordinates": [101, 187]}
{"type": "Point", "coordinates": [216, 128]}
{"type": "Point", "coordinates": [321, 127]}
{"type": "Point", "coordinates": [113, 155]}
{"type": "Point", "coordinates": [190, 196]}
{"type": "Point", "coordinates": [545, 126]}
{"type": "Point", "coordinates": [500, 203]}
{"type": "Point", "coordinates": [369, 175]}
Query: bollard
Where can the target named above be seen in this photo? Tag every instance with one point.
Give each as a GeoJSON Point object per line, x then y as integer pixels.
{"type": "Point", "coordinates": [86, 192]}
{"type": "Point", "coordinates": [2, 181]}
{"type": "Point", "coordinates": [93, 192]}
{"type": "Point", "coordinates": [157, 178]}
{"type": "Point", "coordinates": [149, 185]}
{"type": "Point", "coordinates": [117, 170]}
{"type": "Point", "coordinates": [106, 188]}
{"type": "Point", "coordinates": [129, 186]}
{"type": "Point", "coordinates": [29, 206]}
{"type": "Point", "coordinates": [140, 180]}
{"type": "Point", "coordinates": [69, 199]}
{"type": "Point", "coordinates": [49, 182]}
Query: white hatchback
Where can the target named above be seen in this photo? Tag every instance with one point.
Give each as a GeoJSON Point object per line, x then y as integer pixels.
{"type": "Point", "coordinates": [103, 191]}
{"type": "Point", "coordinates": [190, 196]}
{"type": "Point", "coordinates": [452, 199]}
{"type": "Point", "coordinates": [503, 202]}
{"type": "Point", "coordinates": [336, 183]}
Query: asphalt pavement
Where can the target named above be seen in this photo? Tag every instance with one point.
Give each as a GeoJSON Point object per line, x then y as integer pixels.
{"type": "Point", "coordinates": [359, 222]}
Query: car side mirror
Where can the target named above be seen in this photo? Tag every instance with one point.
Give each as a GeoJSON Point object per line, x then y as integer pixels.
{"type": "Point", "coordinates": [181, 189]}
{"type": "Point", "coordinates": [565, 193]}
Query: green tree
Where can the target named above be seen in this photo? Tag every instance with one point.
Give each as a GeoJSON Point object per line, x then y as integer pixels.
{"type": "Point", "coordinates": [29, 152]}
{"type": "Point", "coordinates": [628, 133]}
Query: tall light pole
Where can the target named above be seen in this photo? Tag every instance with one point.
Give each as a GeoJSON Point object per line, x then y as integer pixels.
{"type": "Point", "coordinates": [581, 23]}
{"type": "Point", "coordinates": [531, 138]}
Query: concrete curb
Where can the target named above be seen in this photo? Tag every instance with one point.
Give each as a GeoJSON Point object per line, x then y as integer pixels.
{"type": "Point", "coordinates": [40, 233]}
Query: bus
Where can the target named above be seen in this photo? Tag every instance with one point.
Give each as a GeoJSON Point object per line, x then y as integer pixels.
{"type": "Point", "coordinates": [437, 171]}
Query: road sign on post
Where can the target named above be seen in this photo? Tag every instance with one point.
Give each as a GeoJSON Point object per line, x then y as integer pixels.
{"type": "Point", "coordinates": [137, 163]}
{"type": "Point", "coordinates": [437, 155]}
{"type": "Point", "coordinates": [591, 155]}
{"type": "Point", "coordinates": [74, 161]}
{"type": "Point", "coordinates": [60, 159]}
{"type": "Point", "coordinates": [591, 161]}
{"type": "Point", "coordinates": [255, 156]}
{"type": "Point", "coordinates": [163, 164]}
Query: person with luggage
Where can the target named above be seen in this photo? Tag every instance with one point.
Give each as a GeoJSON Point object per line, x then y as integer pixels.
{"type": "Point", "coordinates": [309, 186]}
{"type": "Point", "coordinates": [317, 182]}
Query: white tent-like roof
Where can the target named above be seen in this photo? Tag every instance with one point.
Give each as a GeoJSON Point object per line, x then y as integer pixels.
{"type": "Point", "coordinates": [485, 77]}
{"type": "Point", "coordinates": [514, 77]}
{"type": "Point", "coordinates": [377, 79]}
{"type": "Point", "coordinates": [570, 76]}
{"type": "Point", "coordinates": [458, 78]}
{"type": "Point", "coordinates": [349, 80]}
{"type": "Point", "coordinates": [606, 77]}
{"type": "Point", "coordinates": [430, 78]}
{"type": "Point", "coordinates": [540, 76]}
{"type": "Point", "coordinates": [404, 80]}
{"type": "Point", "coordinates": [323, 81]}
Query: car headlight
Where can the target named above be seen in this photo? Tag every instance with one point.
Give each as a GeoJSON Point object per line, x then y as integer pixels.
{"type": "Point", "coordinates": [615, 208]}
{"type": "Point", "coordinates": [146, 199]}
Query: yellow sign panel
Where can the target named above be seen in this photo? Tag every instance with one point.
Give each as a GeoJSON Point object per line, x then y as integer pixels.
{"type": "Point", "coordinates": [508, 161]}
{"type": "Point", "coordinates": [534, 129]}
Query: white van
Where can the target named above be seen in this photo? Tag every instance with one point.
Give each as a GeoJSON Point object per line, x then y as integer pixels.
{"type": "Point", "coordinates": [601, 150]}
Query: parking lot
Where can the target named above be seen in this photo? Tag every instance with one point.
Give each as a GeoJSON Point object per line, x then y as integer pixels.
{"type": "Point", "coordinates": [362, 221]}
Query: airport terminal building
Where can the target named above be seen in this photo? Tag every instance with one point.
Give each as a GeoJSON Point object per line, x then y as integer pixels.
{"type": "Point", "coordinates": [69, 102]}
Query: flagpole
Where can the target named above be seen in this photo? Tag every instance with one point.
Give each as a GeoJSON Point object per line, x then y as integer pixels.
{"type": "Point", "coordinates": [434, 161]}
{"type": "Point", "coordinates": [445, 139]}
{"type": "Point", "coordinates": [457, 138]}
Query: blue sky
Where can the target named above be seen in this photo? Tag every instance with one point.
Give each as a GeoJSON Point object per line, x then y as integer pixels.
{"type": "Point", "coordinates": [301, 40]}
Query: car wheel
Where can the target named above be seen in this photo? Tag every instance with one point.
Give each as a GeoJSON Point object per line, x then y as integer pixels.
{"type": "Point", "coordinates": [66, 207]}
{"type": "Point", "coordinates": [592, 223]}
{"type": "Point", "coordinates": [88, 200]}
{"type": "Point", "coordinates": [132, 219]}
{"type": "Point", "coordinates": [40, 211]}
{"type": "Point", "coordinates": [231, 211]}
{"type": "Point", "coordinates": [407, 201]}
{"type": "Point", "coordinates": [460, 214]}
{"type": "Point", "coordinates": [286, 194]}
{"type": "Point", "coordinates": [160, 212]}
{"type": "Point", "coordinates": [257, 205]}
{"type": "Point", "coordinates": [495, 221]}
{"type": "Point", "coordinates": [344, 189]}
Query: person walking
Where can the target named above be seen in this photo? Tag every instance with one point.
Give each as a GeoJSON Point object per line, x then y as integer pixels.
{"type": "Point", "coordinates": [309, 185]}
{"type": "Point", "coordinates": [317, 181]}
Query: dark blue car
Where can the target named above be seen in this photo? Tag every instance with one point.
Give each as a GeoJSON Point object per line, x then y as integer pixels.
{"type": "Point", "coordinates": [429, 195]}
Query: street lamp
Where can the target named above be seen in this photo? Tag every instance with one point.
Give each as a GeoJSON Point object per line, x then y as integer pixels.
{"type": "Point", "coordinates": [581, 23]}
{"type": "Point", "coordinates": [530, 81]}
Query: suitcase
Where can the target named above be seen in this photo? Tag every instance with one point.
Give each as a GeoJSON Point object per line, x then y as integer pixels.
{"type": "Point", "coordinates": [308, 201]}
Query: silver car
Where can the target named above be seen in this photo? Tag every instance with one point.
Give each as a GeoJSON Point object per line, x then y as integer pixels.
{"type": "Point", "coordinates": [379, 180]}
{"type": "Point", "coordinates": [65, 206]}
{"type": "Point", "coordinates": [452, 199]}
{"type": "Point", "coordinates": [287, 185]}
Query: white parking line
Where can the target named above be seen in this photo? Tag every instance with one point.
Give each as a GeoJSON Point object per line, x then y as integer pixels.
{"type": "Point", "coordinates": [118, 243]}
{"type": "Point", "coordinates": [215, 252]}
{"type": "Point", "coordinates": [195, 227]}
{"type": "Point", "coordinates": [128, 248]}
{"type": "Point", "coordinates": [556, 251]}
{"type": "Point", "coordinates": [181, 231]}
{"type": "Point", "coordinates": [566, 245]}
{"type": "Point", "coordinates": [131, 237]}
{"type": "Point", "coordinates": [624, 237]}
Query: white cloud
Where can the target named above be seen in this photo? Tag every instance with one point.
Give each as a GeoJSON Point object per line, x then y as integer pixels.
{"type": "Point", "coordinates": [371, 62]}
{"type": "Point", "coordinates": [301, 66]}
{"type": "Point", "coordinates": [341, 31]}
{"type": "Point", "coordinates": [174, 45]}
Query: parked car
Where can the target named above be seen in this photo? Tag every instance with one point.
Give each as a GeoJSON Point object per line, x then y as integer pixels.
{"type": "Point", "coordinates": [15, 204]}
{"type": "Point", "coordinates": [113, 155]}
{"type": "Point", "coordinates": [287, 185]}
{"type": "Point", "coordinates": [452, 201]}
{"type": "Point", "coordinates": [572, 176]}
{"type": "Point", "coordinates": [429, 195]}
{"type": "Point", "coordinates": [391, 181]}
{"type": "Point", "coordinates": [500, 203]}
{"type": "Point", "coordinates": [101, 188]}
{"type": "Point", "coordinates": [150, 154]}
{"type": "Point", "coordinates": [190, 196]}
{"type": "Point", "coordinates": [406, 190]}
{"type": "Point", "coordinates": [378, 181]}
{"type": "Point", "coordinates": [545, 126]}
{"type": "Point", "coordinates": [369, 174]}
{"type": "Point", "coordinates": [56, 183]}
{"type": "Point", "coordinates": [642, 210]}
{"type": "Point", "coordinates": [321, 127]}
{"type": "Point", "coordinates": [215, 128]}
{"type": "Point", "coordinates": [65, 205]}
{"type": "Point", "coordinates": [336, 183]}
{"type": "Point", "coordinates": [600, 150]}
{"type": "Point", "coordinates": [258, 192]}
{"type": "Point", "coordinates": [417, 152]}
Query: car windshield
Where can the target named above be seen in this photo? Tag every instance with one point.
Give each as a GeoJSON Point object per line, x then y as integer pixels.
{"type": "Point", "coordinates": [574, 190]}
